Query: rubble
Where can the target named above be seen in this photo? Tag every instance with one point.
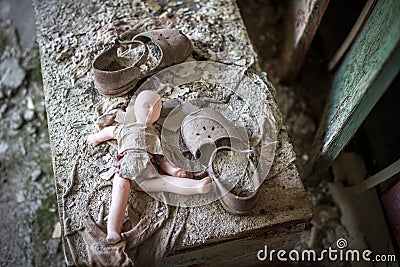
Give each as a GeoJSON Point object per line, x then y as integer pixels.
{"type": "Point", "coordinates": [36, 175]}
{"type": "Point", "coordinates": [16, 121]}
{"type": "Point", "coordinates": [12, 75]}
{"type": "Point", "coordinates": [3, 148]}
{"type": "Point", "coordinates": [26, 186]}
{"type": "Point", "coordinates": [28, 115]}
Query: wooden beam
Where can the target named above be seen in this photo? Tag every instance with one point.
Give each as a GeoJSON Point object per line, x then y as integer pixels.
{"type": "Point", "coordinates": [302, 24]}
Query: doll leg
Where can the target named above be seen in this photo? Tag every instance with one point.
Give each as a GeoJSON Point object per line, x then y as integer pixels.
{"type": "Point", "coordinates": [178, 185]}
{"type": "Point", "coordinates": [120, 193]}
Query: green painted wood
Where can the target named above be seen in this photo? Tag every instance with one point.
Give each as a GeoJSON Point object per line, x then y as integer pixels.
{"type": "Point", "coordinates": [365, 74]}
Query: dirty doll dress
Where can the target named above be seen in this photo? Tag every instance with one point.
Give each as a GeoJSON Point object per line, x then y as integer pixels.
{"type": "Point", "coordinates": [137, 144]}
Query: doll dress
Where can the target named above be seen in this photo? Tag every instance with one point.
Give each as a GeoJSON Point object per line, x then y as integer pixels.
{"type": "Point", "coordinates": [137, 143]}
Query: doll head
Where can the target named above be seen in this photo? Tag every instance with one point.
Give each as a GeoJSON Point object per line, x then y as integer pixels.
{"type": "Point", "coordinates": [147, 107]}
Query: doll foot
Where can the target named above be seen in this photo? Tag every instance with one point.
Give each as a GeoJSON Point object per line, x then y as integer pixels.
{"type": "Point", "coordinates": [113, 238]}
{"type": "Point", "coordinates": [180, 173]}
{"type": "Point", "coordinates": [199, 175]}
{"type": "Point", "coordinates": [177, 172]}
{"type": "Point", "coordinates": [172, 170]}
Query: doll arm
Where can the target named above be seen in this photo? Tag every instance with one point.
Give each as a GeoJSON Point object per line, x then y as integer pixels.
{"type": "Point", "coordinates": [103, 135]}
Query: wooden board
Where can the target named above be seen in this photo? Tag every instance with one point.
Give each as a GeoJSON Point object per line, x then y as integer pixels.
{"type": "Point", "coordinates": [365, 74]}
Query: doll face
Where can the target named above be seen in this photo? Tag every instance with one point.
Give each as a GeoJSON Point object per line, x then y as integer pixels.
{"type": "Point", "coordinates": [147, 107]}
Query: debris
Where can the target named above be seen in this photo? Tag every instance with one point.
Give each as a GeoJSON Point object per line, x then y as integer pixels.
{"type": "Point", "coordinates": [179, 92]}
{"type": "Point", "coordinates": [81, 69]}
{"type": "Point", "coordinates": [27, 239]}
{"type": "Point", "coordinates": [20, 196]}
{"type": "Point", "coordinates": [3, 109]}
{"type": "Point", "coordinates": [107, 175]}
{"type": "Point", "coordinates": [241, 62]}
{"type": "Point", "coordinates": [3, 148]}
{"type": "Point", "coordinates": [29, 103]}
{"type": "Point", "coordinates": [30, 129]}
{"type": "Point", "coordinates": [154, 6]}
{"type": "Point", "coordinates": [57, 231]}
{"type": "Point", "coordinates": [28, 115]}
{"type": "Point", "coordinates": [36, 175]}
{"type": "Point", "coordinates": [53, 245]}
{"type": "Point", "coordinates": [12, 75]}
{"type": "Point", "coordinates": [45, 146]}
{"type": "Point", "coordinates": [16, 121]}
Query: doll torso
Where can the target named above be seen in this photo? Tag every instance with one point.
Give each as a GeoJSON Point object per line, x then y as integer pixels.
{"type": "Point", "coordinates": [135, 142]}
{"type": "Point", "coordinates": [138, 137]}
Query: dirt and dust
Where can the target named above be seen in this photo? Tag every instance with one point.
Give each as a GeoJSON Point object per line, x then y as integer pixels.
{"type": "Point", "coordinates": [232, 173]}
